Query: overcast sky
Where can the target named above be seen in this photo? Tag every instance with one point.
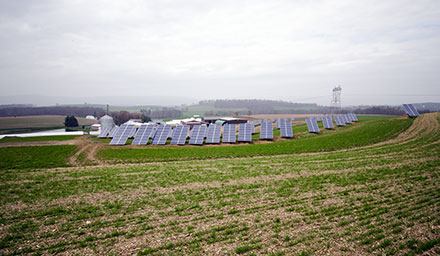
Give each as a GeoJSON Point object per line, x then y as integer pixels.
{"type": "Point", "coordinates": [380, 52]}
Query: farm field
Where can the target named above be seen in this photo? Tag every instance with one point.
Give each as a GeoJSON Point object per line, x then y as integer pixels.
{"type": "Point", "coordinates": [39, 138]}
{"type": "Point", "coordinates": [25, 124]}
{"type": "Point", "coordinates": [369, 189]}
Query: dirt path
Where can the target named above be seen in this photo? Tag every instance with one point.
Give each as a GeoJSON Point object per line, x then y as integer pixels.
{"type": "Point", "coordinates": [86, 153]}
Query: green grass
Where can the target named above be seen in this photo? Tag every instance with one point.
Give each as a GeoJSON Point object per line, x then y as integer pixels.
{"type": "Point", "coordinates": [35, 157]}
{"type": "Point", "coordinates": [369, 132]}
{"type": "Point", "coordinates": [40, 138]}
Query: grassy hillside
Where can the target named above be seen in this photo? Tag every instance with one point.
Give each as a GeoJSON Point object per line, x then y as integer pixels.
{"type": "Point", "coordinates": [363, 199]}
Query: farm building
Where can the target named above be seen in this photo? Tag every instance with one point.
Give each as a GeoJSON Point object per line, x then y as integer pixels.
{"type": "Point", "coordinates": [106, 122]}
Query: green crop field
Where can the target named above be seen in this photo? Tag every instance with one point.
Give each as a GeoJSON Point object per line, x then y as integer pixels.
{"type": "Point", "coordinates": [35, 157]}
{"type": "Point", "coordinates": [39, 138]}
{"type": "Point", "coordinates": [367, 189]}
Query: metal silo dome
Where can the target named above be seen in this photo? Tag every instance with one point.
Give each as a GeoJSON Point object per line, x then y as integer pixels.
{"type": "Point", "coordinates": [106, 122]}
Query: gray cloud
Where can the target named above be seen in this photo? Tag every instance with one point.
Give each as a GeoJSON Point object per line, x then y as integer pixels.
{"type": "Point", "coordinates": [378, 51]}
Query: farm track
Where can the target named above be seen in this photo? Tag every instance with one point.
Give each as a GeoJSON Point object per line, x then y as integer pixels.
{"type": "Point", "coordinates": [378, 199]}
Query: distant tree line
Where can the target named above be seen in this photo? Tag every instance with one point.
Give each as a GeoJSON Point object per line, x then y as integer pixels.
{"type": "Point", "coordinates": [256, 105]}
{"type": "Point", "coordinates": [165, 112]}
{"type": "Point", "coordinates": [120, 117]}
{"type": "Point", "coordinates": [380, 110]}
{"type": "Point", "coordinates": [16, 105]}
{"type": "Point", "coordinates": [57, 110]}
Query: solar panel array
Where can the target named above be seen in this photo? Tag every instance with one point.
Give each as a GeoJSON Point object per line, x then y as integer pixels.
{"type": "Point", "coordinates": [328, 122]}
{"type": "Point", "coordinates": [286, 129]}
{"type": "Point", "coordinates": [197, 135]}
{"type": "Point", "coordinates": [410, 110]}
{"type": "Point", "coordinates": [179, 135]}
{"type": "Point", "coordinates": [312, 125]}
{"type": "Point", "coordinates": [161, 135]}
{"type": "Point", "coordinates": [339, 121]}
{"type": "Point", "coordinates": [214, 133]}
{"type": "Point", "coordinates": [113, 131]}
{"type": "Point", "coordinates": [229, 131]}
{"type": "Point", "coordinates": [245, 132]}
{"type": "Point", "coordinates": [143, 135]}
{"type": "Point", "coordinates": [266, 131]}
{"type": "Point", "coordinates": [122, 135]}
{"type": "Point", "coordinates": [104, 132]}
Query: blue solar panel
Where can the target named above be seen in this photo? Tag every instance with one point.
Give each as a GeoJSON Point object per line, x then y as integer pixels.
{"type": "Point", "coordinates": [339, 120]}
{"type": "Point", "coordinates": [214, 133]}
{"type": "Point", "coordinates": [410, 110]}
{"type": "Point", "coordinates": [197, 135]}
{"type": "Point", "coordinates": [104, 132]}
{"type": "Point", "coordinates": [122, 135]}
{"type": "Point", "coordinates": [161, 135]}
{"type": "Point", "coordinates": [277, 124]}
{"type": "Point", "coordinates": [347, 118]}
{"type": "Point", "coordinates": [266, 131]}
{"type": "Point", "coordinates": [414, 110]}
{"type": "Point", "coordinates": [143, 134]}
{"type": "Point", "coordinates": [328, 122]}
{"type": "Point", "coordinates": [286, 129]}
{"type": "Point", "coordinates": [245, 132]}
{"type": "Point", "coordinates": [179, 135]}
{"type": "Point", "coordinates": [229, 133]}
{"type": "Point", "coordinates": [312, 125]}
{"type": "Point", "coordinates": [113, 131]}
{"type": "Point", "coordinates": [353, 117]}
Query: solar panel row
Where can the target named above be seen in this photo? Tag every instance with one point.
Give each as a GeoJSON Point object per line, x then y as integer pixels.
{"type": "Point", "coordinates": [113, 131]}
{"type": "Point", "coordinates": [229, 133]}
{"type": "Point", "coordinates": [161, 135]}
{"type": "Point", "coordinates": [179, 135]}
{"type": "Point", "coordinates": [410, 110]}
{"type": "Point", "coordinates": [245, 132]}
{"type": "Point", "coordinates": [278, 123]}
{"type": "Point", "coordinates": [347, 118]}
{"type": "Point", "coordinates": [312, 125]}
{"type": "Point", "coordinates": [197, 135]}
{"type": "Point", "coordinates": [143, 135]}
{"type": "Point", "coordinates": [353, 117]}
{"type": "Point", "coordinates": [328, 122]}
{"type": "Point", "coordinates": [286, 129]}
{"type": "Point", "coordinates": [122, 135]}
{"type": "Point", "coordinates": [266, 131]}
{"type": "Point", "coordinates": [104, 132]}
{"type": "Point", "coordinates": [339, 121]}
{"type": "Point", "coordinates": [214, 133]}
